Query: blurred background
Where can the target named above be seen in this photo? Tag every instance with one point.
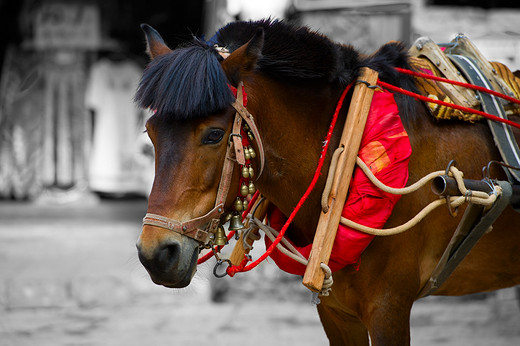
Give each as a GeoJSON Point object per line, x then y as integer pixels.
{"type": "Point", "coordinates": [76, 168]}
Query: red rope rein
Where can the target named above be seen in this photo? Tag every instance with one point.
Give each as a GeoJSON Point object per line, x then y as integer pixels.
{"type": "Point", "coordinates": [452, 105]}
{"type": "Point", "coordinates": [462, 84]}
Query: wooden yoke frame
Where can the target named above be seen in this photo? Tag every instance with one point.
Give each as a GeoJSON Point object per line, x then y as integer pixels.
{"type": "Point", "coordinates": [350, 141]}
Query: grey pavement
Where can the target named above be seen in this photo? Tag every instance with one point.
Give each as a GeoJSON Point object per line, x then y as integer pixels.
{"type": "Point", "coordinates": [69, 275]}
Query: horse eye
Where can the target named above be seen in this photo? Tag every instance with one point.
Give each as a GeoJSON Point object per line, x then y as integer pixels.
{"type": "Point", "coordinates": [213, 137]}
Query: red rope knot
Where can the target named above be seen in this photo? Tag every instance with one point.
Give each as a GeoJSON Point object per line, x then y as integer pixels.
{"type": "Point", "coordinates": [232, 270]}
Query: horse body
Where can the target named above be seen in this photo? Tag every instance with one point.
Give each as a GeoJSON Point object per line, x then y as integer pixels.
{"type": "Point", "coordinates": [292, 116]}
{"type": "Point", "coordinates": [394, 269]}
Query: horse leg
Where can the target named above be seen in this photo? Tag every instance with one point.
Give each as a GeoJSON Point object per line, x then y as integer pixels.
{"type": "Point", "coordinates": [388, 323]}
{"type": "Point", "coordinates": [342, 328]}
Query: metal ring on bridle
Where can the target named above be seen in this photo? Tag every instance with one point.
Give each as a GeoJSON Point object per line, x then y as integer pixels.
{"type": "Point", "coordinates": [218, 264]}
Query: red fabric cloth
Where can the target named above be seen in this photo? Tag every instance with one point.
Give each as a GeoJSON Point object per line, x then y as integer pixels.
{"type": "Point", "coordinates": [386, 149]}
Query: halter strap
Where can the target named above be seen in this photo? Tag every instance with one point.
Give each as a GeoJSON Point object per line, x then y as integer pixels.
{"type": "Point", "coordinates": [191, 228]}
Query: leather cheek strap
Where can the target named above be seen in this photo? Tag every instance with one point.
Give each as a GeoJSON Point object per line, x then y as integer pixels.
{"type": "Point", "coordinates": [250, 121]}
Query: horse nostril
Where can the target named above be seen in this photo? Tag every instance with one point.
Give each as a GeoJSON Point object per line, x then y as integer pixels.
{"type": "Point", "coordinates": [167, 256]}
{"type": "Point", "coordinates": [163, 259]}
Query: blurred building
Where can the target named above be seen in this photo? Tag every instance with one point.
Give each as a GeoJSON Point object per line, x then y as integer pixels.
{"type": "Point", "coordinates": [68, 73]}
{"type": "Point", "coordinates": [69, 68]}
{"type": "Point", "coordinates": [364, 24]}
{"type": "Point", "coordinates": [493, 25]}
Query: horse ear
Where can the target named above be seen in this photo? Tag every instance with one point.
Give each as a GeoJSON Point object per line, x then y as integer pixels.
{"type": "Point", "coordinates": [243, 60]}
{"type": "Point", "coordinates": [155, 45]}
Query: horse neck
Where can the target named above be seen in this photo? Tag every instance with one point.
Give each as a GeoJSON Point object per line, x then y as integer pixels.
{"type": "Point", "coordinates": [293, 122]}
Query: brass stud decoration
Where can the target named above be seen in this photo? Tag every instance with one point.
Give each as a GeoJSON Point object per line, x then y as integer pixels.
{"type": "Point", "coordinates": [244, 189]}
{"type": "Point", "coordinates": [245, 172]}
{"type": "Point", "coordinates": [239, 206]}
{"type": "Point", "coordinates": [251, 188]}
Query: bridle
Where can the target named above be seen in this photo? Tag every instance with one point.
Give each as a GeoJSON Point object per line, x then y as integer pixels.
{"type": "Point", "coordinates": [204, 228]}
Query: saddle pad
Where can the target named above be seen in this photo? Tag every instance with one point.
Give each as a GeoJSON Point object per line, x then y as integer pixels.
{"type": "Point", "coordinates": [386, 149]}
{"type": "Point", "coordinates": [431, 89]}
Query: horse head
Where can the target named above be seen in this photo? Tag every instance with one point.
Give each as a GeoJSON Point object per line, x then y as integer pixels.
{"type": "Point", "coordinates": [188, 88]}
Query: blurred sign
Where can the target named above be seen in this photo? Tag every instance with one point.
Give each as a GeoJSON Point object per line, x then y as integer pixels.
{"type": "Point", "coordinates": [63, 25]}
{"type": "Point", "coordinates": [364, 24]}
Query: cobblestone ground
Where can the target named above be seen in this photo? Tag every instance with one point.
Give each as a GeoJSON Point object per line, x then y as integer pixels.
{"type": "Point", "coordinates": [70, 276]}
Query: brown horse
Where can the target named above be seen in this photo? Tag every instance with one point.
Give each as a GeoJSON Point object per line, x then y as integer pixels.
{"type": "Point", "coordinates": [293, 78]}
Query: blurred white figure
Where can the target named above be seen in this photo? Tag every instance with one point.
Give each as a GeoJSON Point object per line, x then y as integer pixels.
{"type": "Point", "coordinates": [254, 10]}
{"type": "Point", "coordinates": [116, 163]}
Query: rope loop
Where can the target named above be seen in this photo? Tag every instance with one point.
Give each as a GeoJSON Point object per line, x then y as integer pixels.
{"type": "Point", "coordinates": [327, 281]}
{"type": "Point", "coordinates": [467, 196]}
{"type": "Point", "coordinates": [285, 246]}
{"type": "Point", "coordinates": [231, 270]}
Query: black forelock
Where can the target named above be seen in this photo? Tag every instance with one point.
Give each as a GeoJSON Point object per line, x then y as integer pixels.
{"type": "Point", "coordinates": [185, 83]}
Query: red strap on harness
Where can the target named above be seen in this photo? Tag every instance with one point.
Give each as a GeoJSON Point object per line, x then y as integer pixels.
{"type": "Point", "coordinates": [452, 105]}
{"type": "Point", "coordinates": [244, 95]}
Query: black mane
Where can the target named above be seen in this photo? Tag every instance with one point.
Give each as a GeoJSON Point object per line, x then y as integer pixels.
{"type": "Point", "coordinates": [293, 52]}
{"type": "Point", "coordinates": [189, 82]}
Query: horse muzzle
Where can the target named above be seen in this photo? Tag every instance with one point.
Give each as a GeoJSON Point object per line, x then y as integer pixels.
{"type": "Point", "coordinates": [169, 258]}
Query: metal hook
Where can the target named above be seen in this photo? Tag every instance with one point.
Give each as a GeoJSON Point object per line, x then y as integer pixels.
{"type": "Point", "coordinates": [262, 199]}
{"type": "Point", "coordinates": [370, 86]}
{"type": "Point", "coordinates": [450, 164]}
